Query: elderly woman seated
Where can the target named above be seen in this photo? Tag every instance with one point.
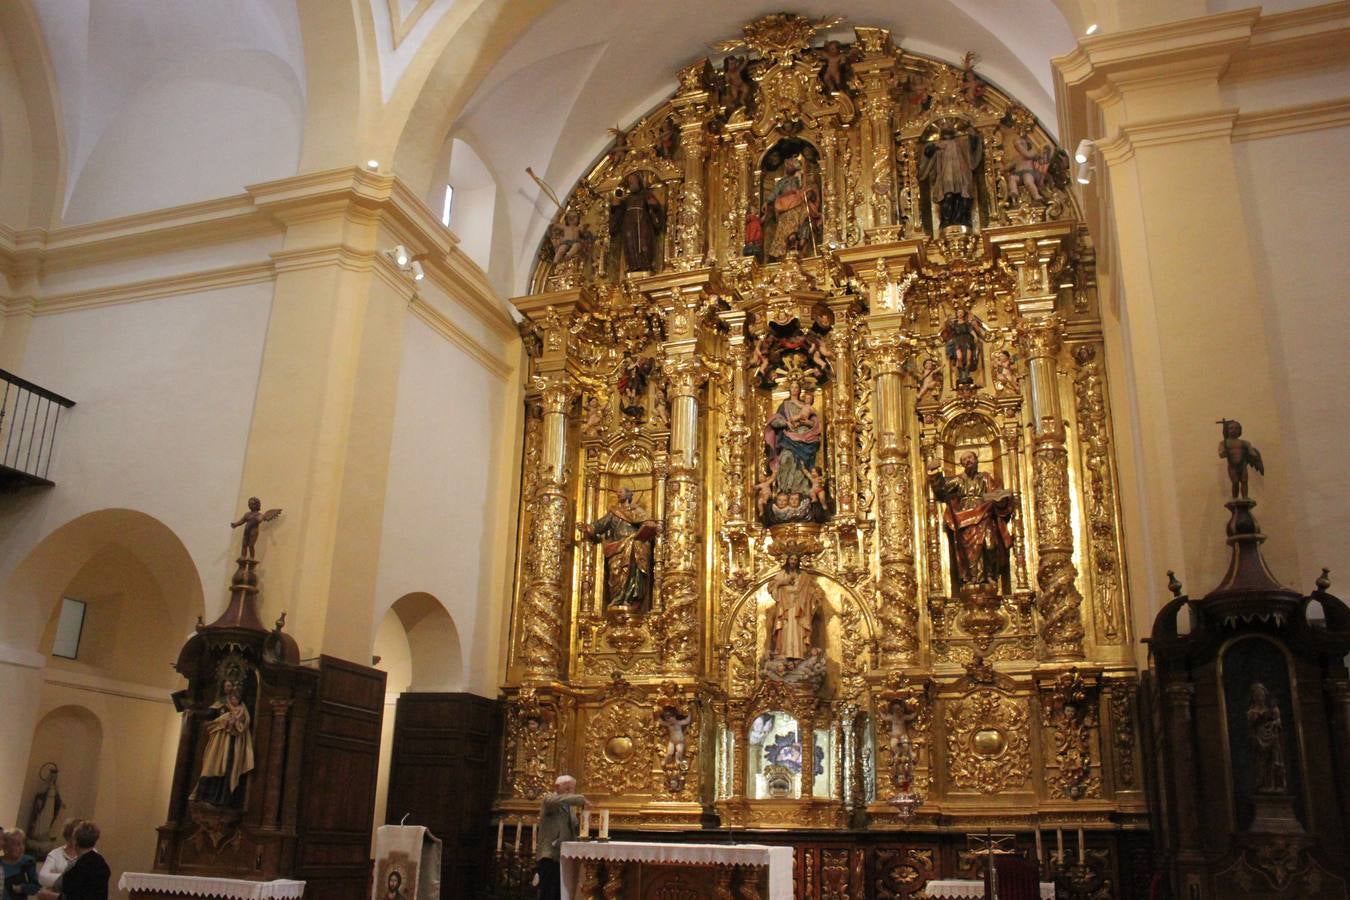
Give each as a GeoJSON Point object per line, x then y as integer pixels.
{"type": "Point", "coordinates": [20, 869]}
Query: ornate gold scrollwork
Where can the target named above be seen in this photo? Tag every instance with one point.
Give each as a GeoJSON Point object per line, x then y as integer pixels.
{"type": "Point", "coordinates": [773, 327]}
{"type": "Point", "coordinates": [1069, 706]}
{"type": "Point", "coordinates": [988, 742]}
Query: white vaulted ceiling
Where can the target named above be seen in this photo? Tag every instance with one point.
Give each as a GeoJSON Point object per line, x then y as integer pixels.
{"type": "Point", "coordinates": [165, 102]}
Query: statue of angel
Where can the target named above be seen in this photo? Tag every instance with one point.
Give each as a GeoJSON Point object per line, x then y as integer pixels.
{"type": "Point", "coordinates": [675, 724]}
{"type": "Point", "coordinates": [251, 521]}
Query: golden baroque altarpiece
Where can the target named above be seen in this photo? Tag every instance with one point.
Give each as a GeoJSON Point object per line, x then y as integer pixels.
{"type": "Point", "coordinates": [819, 524]}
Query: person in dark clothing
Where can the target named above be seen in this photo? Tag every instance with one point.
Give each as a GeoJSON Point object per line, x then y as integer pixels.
{"type": "Point", "coordinates": [87, 877]}
{"type": "Point", "coordinates": [20, 869]}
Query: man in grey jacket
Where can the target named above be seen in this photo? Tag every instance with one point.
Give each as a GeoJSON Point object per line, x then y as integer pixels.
{"type": "Point", "coordinates": [557, 823]}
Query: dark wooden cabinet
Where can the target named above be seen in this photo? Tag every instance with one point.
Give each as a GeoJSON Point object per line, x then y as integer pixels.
{"type": "Point", "coordinates": [442, 775]}
{"type": "Point", "coordinates": [305, 809]}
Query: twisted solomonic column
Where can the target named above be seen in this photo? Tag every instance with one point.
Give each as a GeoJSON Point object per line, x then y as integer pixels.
{"type": "Point", "coordinates": [1058, 599]}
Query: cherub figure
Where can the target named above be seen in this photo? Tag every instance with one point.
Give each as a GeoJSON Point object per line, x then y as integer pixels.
{"type": "Point", "coordinates": [817, 479]}
{"type": "Point", "coordinates": [735, 82]}
{"type": "Point", "coordinates": [667, 139]}
{"type": "Point", "coordinates": [764, 494]}
{"type": "Point", "coordinates": [1005, 374]}
{"type": "Point", "coordinates": [1240, 454]}
{"type": "Point", "coordinates": [567, 239]}
{"type": "Point", "coordinates": [595, 413]}
{"type": "Point", "coordinates": [675, 724]}
{"type": "Point", "coordinates": [616, 153]}
{"type": "Point", "coordinates": [254, 518]}
{"type": "Point", "coordinates": [930, 381]}
{"type": "Point", "coordinates": [971, 85]}
{"type": "Point", "coordinates": [901, 714]}
{"type": "Point", "coordinates": [832, 75]}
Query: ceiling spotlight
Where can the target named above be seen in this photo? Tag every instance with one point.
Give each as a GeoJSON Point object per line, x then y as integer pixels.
{"type": "Point", "coordinates": [1084, 150]}
{"type": "Point", "coordinates": [1083, 175]}
{"type": "Point", "coordinates": [400, 256]}
{"type": "Point", "coordinates": [1092, 29]}
{"type": "Point", "coordinates": [418, 274]}
{"type": "Point", "coordinates": [373, 165]}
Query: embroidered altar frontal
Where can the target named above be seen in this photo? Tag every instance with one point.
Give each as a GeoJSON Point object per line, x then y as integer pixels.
{"type": "Point", "coordinates": [819, 523]}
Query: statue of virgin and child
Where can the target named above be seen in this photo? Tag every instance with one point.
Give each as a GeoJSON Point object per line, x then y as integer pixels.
{"type": "Point", "coordinates": [794, 488]}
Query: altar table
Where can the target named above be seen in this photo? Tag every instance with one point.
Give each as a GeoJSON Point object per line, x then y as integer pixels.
{"type": "Point", "coordinates": [645, 870]}
{"type": "Point", "coordinates": [964, 888]}
{"type": "Point", "coordinates": [159, 885]}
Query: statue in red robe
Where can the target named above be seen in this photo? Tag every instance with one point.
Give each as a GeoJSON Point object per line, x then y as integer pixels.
{"type": "Point", "coordinates": [976, 521]}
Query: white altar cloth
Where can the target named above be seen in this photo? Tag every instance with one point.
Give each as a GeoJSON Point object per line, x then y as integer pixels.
{"type": "Point", "coordinates": [964, 888]}
{"type": "Point", "coordinates": [202, 886]}
{"type": "Point", "coordinates": [778, 860]}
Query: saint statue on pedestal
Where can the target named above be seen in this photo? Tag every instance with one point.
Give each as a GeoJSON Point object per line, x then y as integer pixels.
{"type": "Point", "coordinates": [625, 534]}
{"type": "Point", "coordinates": [976, 521]}
{"type": "Point", "coordinates": [228, 756]}
{"type": "Point", "coordinates": [1266, 730]}
{"type": "Point", "coordinates": [793, 651]}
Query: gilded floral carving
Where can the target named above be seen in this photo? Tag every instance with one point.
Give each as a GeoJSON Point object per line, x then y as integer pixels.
{"type": "Point", "coordinates": [988, 742]}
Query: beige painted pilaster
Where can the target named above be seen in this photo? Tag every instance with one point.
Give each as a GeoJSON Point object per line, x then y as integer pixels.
{"type": "Point", "coordinates": [323, 416]}
{"type": "Point", "coordinates": [1185, 325]}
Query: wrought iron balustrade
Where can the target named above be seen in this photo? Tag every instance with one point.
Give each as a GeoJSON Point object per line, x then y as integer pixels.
{"type": "Point", "coordinates": [29, 416]}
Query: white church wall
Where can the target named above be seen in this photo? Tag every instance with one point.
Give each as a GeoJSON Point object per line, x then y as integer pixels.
{"type": "Point", "coordinates": [164, 391]}
{"type": "Point", "coordinates": [443, 519]}
{"type": "Point", "coordinates": [1292, 198]}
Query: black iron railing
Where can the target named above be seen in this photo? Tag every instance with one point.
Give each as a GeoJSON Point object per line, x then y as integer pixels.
{"type": "Point", "coordinates": [29, 416]}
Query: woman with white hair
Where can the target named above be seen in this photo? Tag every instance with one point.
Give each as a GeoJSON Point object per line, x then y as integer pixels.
{"type": "Point", "coordinates": [20, 869]}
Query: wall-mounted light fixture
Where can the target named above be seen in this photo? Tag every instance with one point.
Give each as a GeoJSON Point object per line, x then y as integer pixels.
{"type": "Point", "coordinates": [407, 262]}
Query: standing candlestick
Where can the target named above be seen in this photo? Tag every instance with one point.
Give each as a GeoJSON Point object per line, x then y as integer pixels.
{"type": "Point", "coordinates": [1040, 854]}
{"type": "Point", "coordinates": [585, 824]}
{"type": "Point", "coordinates": [604, 824]}
{"type": "Point", "coordinates": [1059, 845]}
{"type": "Point", "coordinates": [1082, 848]}
{"type": "Point", "coordinates": [515, 847]}
{"type": "Point", "coordinates": [501, 826]}
{"type": "Point", "coordinates": [534, 837]}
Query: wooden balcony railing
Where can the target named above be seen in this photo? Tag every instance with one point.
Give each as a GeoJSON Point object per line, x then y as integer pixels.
{"type": "Point", "coordinates": [29, 416]}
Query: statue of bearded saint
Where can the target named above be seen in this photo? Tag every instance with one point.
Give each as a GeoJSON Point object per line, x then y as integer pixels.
{"type": "Point", "coordinates": [976, 521]}
{"type": "Point", "coordinates": [625, 535]}
{"type": "Point", "coordinates": [797, 603]}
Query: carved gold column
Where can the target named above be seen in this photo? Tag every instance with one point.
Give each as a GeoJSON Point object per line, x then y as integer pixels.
{"type": "Point", "coordinates": [691, 106]}
{"type": "Point", "coordinates": [876, 72]}
{"type": "Point", "coordinates": [541, 617]}
{"type": "Point", "coordinates": [808, 740]}
{"type": "Point", "coordinates": [834, 213]}
{"type": "Point", "coordinates": [679, 592]}
{"type": "Point", "coordinates": [738, 135]}
{"type": "Point", "coordinates": [897, 603]}
{"type": "Point", "coordinates": [1058, 599]}
{"type": "Point", "coordinates": [682, 301]}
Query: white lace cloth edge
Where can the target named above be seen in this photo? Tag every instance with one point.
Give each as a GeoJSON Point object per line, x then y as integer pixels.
{"type": "Point", "coordinates": [205, 886]}
{"type": "Point", "coordinates": [963, 888]}
{"type": "Point", "coordinates": [778, 860]}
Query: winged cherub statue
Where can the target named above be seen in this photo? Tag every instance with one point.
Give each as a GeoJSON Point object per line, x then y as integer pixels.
{"type": "Point", "coordinates": [251, 520]}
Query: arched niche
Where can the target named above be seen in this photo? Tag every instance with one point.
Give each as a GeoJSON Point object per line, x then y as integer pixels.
{"type": "Point", "coordinates": [70, 738]}
{"type": "Point", "coordinates": [626, 464]}
{"type": "Point", "coordinates": [848, 630]}
{"type": "Point", "coordinates": [419, 647]}
{"type": "Point", "coordinates": [111, 553]}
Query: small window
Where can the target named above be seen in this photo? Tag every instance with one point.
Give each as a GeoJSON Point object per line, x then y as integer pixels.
{"type": "Point", "coordinates": [69, 628]}
{"type": "Point", "coordinates": [445, 210]}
